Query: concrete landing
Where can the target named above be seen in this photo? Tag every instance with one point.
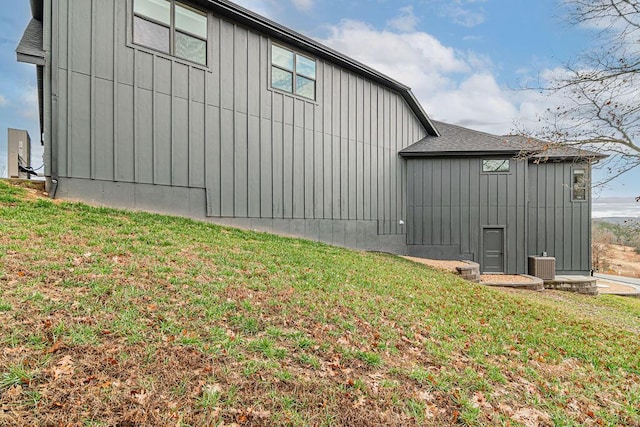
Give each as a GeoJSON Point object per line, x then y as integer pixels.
{"type": "Point", "coordinates": [578, 284]}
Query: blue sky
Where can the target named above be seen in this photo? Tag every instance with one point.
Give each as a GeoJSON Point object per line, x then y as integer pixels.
{"type": "Point", "coordinates": [466, 60]}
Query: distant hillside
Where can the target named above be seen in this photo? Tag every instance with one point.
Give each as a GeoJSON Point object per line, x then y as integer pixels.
{"type": "Point", "coordinates": [619, 220]}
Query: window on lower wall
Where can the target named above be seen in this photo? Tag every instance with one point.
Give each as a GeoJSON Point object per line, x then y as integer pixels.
{"type": "Point", "coordinates": [496, 166]}
{"type": "Point", "coordinates": [292, 72]}
{"type": "Point", "coordinates": [579, 185]}
{"type": "Point", "coordinates": [171, 27]}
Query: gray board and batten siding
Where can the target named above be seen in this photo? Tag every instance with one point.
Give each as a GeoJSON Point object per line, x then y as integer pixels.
{"type": "Point", "coordinates": [558, 224]}
{"type": "Point", "coordinates": [450, 202]}
{"type": "Point", "coordinates": [134, 127]}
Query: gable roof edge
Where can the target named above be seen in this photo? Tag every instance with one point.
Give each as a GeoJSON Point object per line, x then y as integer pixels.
{"type": "Point", "coordinates": [271, 28]}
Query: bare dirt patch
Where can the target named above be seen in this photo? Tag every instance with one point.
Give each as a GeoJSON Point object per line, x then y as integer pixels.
{"type": "Point", "coordinates": [505, 278]}
{"type": "Point", "coordinates": [620, 261]}
{"type": "Point", "coordinates": [439, 264]}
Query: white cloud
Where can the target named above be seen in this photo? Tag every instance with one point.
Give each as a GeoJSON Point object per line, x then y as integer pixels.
{"type": "Point", "coordinates": [3, 101]}
{"type": "Point", "coordinates": [464, 16]}
{"type": "Point", "coordinates": [453, 86]}
{"type": "Point", "coordinates": [406, 21]}
{"type": "Point", "coordinates": [29, 103]}
{"type": "Point", "coordinates": [303, 5]}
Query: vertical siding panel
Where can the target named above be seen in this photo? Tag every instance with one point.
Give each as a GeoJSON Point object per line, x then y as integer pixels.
{"type": "Point", "coordinates": [368, 148]}
{"type": "Point", "coordinates": [143, 70]}
{"type": "Point", "coordinates": [227, 83]}
{"type": "Point", "coordinates": [63, 34]}
{"type": "Point", "coordinates": [197, 91]}
{"type": "Point", "coordinates": [104, 39]}
{"type": "Point", "coordinates": [318, 171]}
{"type": "Point", "coordinates": [227, 162]}
{"type": "Point", "coordinates": [162, 77]}
{"type": "Point", "coordinates": [310, 159]}
{"type": "Point", "coordinates": [180, 143]}
{"type": "Point", "coordinates": [475, 223]}
{"type": "Point", "coordinates": [213, 77]}
{"type": "Point", "coordinates": [81, 35]}
{"type": "Point", "coordinates": [318, 146]}
{"type": "Point", "coordinates": [344, 178]}
{"type": "Point", "coordinates": [213, 148]}
{"type": "Point", "coordinates": [327, 127]}
{"type": "Point", "coordinates": [373, 93]}
{"type": "Point", "coordinates": [241, 71]}
{"type": "Point", "coordinates": [124, 137]}
{"type": "Point", "coordinates": [465, 200]}
{"type": "Point", "coordinates": [335, 143]}
{"type": "Point", "coordinates": [80, 124]}
{"type": "Point", "coordinates": [104, 130]}
{"type": "Point", "coordinates": [63, 118]}
{"type": "Point", "coordinates": [144, 136]}
{"type": "Point", "coordinates": [162, 140]}
{"type": "Point", "coordinates": [266, 168]}
{"type": "Point", "coordinates": [287, 155]}
{"type": "Point", "coordinates": [197, 154]}
{"type": "Point", "coordinates": [427, 202]}
{"type": "Point", "coordinates": [383, 214]}
{"type": "Point", "coordinates": [254, 74]}
{"type": "Point", "coordinates": [254, 167]}
{"type": "Point", "coordinates": [124, 55]}
{"type": "Point", "coordinates": [265, 93]}
{"type": "Point", "coordinates": [447, 218]}
{"type": "Point", "coordinates": [241, 142]}
{"type": "Point", "coordinates": [298, 178]}
{"type": "Point", "coordinates": [266, 135]}
{"type": "Point", "coordinates": [336, 184]}
{"type": "Point", "coordinates": [278, 164]}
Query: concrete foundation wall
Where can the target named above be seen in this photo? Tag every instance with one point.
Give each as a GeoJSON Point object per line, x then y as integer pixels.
{"type": "Point", "coordinates": [191, 203]}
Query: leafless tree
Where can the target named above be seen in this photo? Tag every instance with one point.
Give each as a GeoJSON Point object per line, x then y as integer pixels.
{"type": "Point", "coordinates": [600, 92]}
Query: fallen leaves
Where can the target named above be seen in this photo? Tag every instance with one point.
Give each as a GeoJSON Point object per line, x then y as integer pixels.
{"type": "Point", "coordinates": [64, 367]}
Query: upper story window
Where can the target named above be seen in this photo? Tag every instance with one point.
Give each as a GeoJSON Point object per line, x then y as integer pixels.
{"type": "Point", "coordinates": [579, 185]}
{"type": "Point", "coordinates": [171, 27]}
{"type": "Point", "coordinates": [292, 72]}
{"type": "Point", "coordinates": [496, 166]}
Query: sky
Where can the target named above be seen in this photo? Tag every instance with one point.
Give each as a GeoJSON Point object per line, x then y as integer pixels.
{"type": "Point", "coordinates": [467, 61]}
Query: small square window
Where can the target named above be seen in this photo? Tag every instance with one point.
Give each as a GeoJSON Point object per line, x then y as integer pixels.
{"type": "Point", "coordinates": [171, 27]}
{"type": "Point", "coordinates": [496, 166]}
{"type": "Point", "coordinates": [293, 73]}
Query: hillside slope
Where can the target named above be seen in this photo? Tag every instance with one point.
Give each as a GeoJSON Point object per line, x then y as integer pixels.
{"type": "Point", "coordinates": [116, 318]}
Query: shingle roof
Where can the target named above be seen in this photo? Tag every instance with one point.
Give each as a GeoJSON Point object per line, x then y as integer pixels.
{"type": "Point", "coordinates": [459, 141]}
{"type": "Point", "coordinates": [30, 47]}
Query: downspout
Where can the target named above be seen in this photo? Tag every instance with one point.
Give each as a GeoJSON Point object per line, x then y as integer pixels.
{"type": "Point", "coordinates": [51, 95]}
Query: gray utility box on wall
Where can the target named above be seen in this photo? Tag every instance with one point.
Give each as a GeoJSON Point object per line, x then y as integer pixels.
{"type": "Point", "coordinates": [542, 267]}
{"type": "Point", "coordinates": [18, 153]}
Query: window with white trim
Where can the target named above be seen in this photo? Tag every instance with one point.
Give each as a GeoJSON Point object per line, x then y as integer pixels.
{"type": "Point", "coordinates": [579, 185]}
{"type": "Point", "coordinates": [292, 72]}
{"type": "Point", "coordinates": [496, 166]}
{"type": "Point", "coordinates": [171, 27]}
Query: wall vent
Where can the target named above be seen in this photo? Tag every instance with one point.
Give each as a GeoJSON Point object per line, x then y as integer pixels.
{"type": "Point", "coordinates": [542, 267]}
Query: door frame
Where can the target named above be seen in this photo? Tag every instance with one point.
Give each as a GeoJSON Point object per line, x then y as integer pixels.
{"type": "Point", "coordinates": [504, 246]}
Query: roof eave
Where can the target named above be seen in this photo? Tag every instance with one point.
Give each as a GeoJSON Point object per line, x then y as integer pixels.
{"type": "Point", "coordinates": [457, 153]}
{"type": "Point", "coordinates": [26, 58]}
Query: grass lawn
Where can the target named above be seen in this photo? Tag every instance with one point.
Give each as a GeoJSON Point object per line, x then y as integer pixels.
{"type": "Point", "coordinates": [116, 318]}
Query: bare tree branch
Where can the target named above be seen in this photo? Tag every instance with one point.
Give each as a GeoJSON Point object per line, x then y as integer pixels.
{"type": "Point", "coordinates": [601, 91]}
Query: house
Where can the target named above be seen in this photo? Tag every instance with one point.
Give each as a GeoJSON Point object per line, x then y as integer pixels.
{"type": "Point", "coordinates": [205, 109]}
{"type": "Point", "coordinates": [497, 200]}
